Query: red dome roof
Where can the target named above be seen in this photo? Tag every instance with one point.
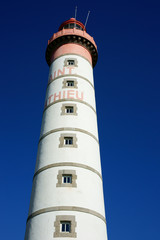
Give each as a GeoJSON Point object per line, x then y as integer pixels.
{"type": "Point", "coordinates": [72, 20]}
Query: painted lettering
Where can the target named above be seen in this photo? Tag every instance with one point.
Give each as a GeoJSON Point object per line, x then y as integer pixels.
{"type": "Point", "coordinates": [50, 99]}
{"type": "Point", "coordinates": [70, 94]}
{"type": "Point", "coordinates": [64, 94]}
{"type": "Point", "coordinates": [79, 97]}
{"type": "Point", "coordinates": [61, 72]}
{"type": "Point", "coordinates": [70, 70]}
{"type": "Point", "coordinates": [57, 96]}
{"type": "Point", "coordinates": [54, 74]}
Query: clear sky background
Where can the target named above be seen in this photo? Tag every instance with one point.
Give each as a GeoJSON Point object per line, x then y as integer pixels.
{"type": "Point", "coordinates": [127, 83]}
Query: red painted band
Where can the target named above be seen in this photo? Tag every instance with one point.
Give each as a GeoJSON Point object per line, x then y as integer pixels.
{"type": "Point", "coordinates": [72, 48]}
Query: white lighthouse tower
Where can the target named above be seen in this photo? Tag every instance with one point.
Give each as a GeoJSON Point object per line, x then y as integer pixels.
{"type": "Point", "coordinates": [67, 194]}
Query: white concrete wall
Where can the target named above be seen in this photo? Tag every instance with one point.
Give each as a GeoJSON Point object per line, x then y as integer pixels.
{"type": "Point", "coordinates": [89, 227]}
{"type": "Point", "coordinates": [86, 118]}
{"type": "Point", "coordinates": [86, 153]}
{"type": "Point", "coordinates": [87, 194]}
{"type": "Point", "coordinates": [84, 68]}
{"type": "Point", "coordinates": [89, 191]}
{"type": "Point", "coordinates": [83, 86]}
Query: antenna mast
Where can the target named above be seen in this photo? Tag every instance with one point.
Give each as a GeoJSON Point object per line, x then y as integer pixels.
{"type": "Point", "coordinates": [87, 19]}
{"type": "Point", "coordinates": [75, 16]}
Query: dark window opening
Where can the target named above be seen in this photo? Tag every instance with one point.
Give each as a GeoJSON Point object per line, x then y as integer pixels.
{"type": "Point", "coordinates": [70, 83]}
{"type": "Point", "coordinates": [70, 62]}
{"type": "Point", "coordinates": [69, 109]}
{"type": "Point", "coordinates": [67, 178]}
{"type": "Point", "coordinates": [68, 140]}
{"type": "Point", "coordinates": [66, 226]}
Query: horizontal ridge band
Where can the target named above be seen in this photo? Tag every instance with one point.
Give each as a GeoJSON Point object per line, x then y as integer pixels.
{"type": "Point", "coordinates": [66, 164]}
{"type": "Point", "coordinates": [72, 100]}
{"type": "Point", "coordinates": [68, 129]}
{"type": "Point", "coordinates": [66, 208]}
{"type": "Point", "coordinates": [71, 75]}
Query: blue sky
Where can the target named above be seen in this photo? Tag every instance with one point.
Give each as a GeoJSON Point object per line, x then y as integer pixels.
{"type": "Point", "coordinates": [127, 86]}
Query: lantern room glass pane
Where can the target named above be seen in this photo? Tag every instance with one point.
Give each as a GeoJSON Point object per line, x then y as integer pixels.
{"type": "Point", "coordinates": [72, 25]}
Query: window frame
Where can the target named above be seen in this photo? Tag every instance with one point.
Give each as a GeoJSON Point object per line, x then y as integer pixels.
{"type": "Point", "coordinates": [66, 172]}
{"type": "Point", "coordinates": [65, 218]}
{"type": "Point", "coordinates": [66, 80]}
{"type": "Point", "coordinates": [67, 105]}
{"type": "Point", "coordinates": [66, 62]}
{"type": "Point", "coordinates": [68, 135]}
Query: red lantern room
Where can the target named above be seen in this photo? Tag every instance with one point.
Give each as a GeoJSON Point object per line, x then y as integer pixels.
{"type": "Point", "coordinates": [72, 31]}
{"type": "Point", "coordinates": [72, 23]}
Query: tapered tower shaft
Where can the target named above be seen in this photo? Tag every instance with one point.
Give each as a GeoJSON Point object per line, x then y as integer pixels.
{"type": "Point", "coordinates": [67, 194]}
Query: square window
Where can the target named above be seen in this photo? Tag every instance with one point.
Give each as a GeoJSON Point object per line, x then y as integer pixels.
{"type": "Point", "coordinates": [68, 140]}
{"type": "Point", "coordinates": [69, 83]}
{"type": "Point", "coordinates": [70, 62]}
{"type": "Point", "coordinates": [65, 226]}
{"type": "Point", "coordinates": [67, 179]}
{"type": "Point", "coordinates": [69, 109]}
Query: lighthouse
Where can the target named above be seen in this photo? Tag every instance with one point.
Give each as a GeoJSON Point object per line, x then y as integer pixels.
{"type": "Point", "coordinates": [67, 194]}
